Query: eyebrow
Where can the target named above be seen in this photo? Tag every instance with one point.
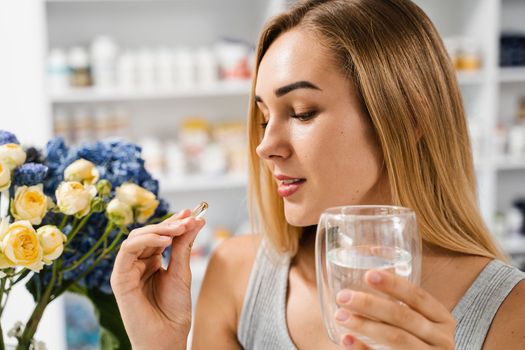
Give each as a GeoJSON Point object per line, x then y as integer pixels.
{"type": "Point", "coordinates": [303, 84]}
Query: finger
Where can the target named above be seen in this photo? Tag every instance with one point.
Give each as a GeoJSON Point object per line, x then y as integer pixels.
{"type": "Point", "coordinates": [153, 264]}
{"type": "Point", "coordinates": [131, 250]}
{"type": "Point", "coordinates": [401, 289]}
{"type": "Point", "coordinates": [181, 249]}
{"type": "Point", "coordinates": [388, 311]}
{"type": "Point", "coordinates": [177, 216]}
{"type": "Point", "coordinates": [348, 341]}
{"type": "Point", "coordinates": [378, 332]}
{"type": "Point", "coordinates": [174, 228]}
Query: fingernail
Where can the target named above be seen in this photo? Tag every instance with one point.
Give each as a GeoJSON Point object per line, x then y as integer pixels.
{"type": "Point", "coordinates": [375, 277]}
{"type": "Point", "coordinates": [342, 315]}
{"type": "Point", "coordinates": [348, 340]}
{"type": "Point", "coordinates": [344, 296]}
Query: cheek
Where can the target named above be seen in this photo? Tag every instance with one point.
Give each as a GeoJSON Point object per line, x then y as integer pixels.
{"type": "Point", "coordinates": [345, 165]}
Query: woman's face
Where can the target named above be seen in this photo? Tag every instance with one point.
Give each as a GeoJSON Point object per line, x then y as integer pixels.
{"type": "Point", "coordinates": [317, 143]}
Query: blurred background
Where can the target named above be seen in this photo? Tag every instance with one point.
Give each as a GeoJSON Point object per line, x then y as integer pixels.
{"type": "Point", "coordinates": [174, 76]}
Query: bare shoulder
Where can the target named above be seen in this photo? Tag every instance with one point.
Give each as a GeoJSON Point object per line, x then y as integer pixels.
{"type": "Point", "coordinates": [222, 293]}
{"type": "Point", "coordinates": [508, 327]}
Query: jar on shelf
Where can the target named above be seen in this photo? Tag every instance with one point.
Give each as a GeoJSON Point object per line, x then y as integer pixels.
{"type": "Point", "coordinates": [126, 71]}
{"type": "Point", "coordinates": [175, 161]}
{"type": "Point", "coordinates": [214, 160]}
{"type": "Point", "coordinates": [61, 124]}
{"type": "Point", "coordinates": [184, 66]}
{"type": "Point", "coordinates": [194, 138]}
{"type": "Point", "coordinates": [469, 55]}
{"type": "Point", "coordinates": [232, 137]}
{"type": "Point", "coordinates": [102, 123]}
{"type": "Point", "coordinates": [120, 122]}
{"type": "Point", "coordinates": [165, 68]}
{"type": "Point", "coordinates": [233, 59]}
{"type": "Point", "coordinates": [206, 67]}
{"type": "Point", "coordinates": [78, 61]}
{"type": "Point", "coordinates": [82, 125]}
{"type": "Point", "coordinates": [103, 59]}
{"type": "Point", "coordinates": [57, 71]}
{"type": "Point", "coordinates": [145, 69]}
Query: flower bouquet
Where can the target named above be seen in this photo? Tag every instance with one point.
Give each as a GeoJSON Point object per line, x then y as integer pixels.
{"type": "Point", "coordinates": [64, 213]}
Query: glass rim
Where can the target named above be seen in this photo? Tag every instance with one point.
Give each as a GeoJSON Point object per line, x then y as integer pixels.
{"type": "Point", "coordinates": [342, 210]}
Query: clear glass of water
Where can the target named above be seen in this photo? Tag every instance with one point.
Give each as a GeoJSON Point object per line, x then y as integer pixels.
{"type": "Point", "coordinates": [354, 239]}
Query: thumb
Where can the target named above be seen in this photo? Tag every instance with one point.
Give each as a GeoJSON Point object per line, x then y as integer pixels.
{"type": "Point", "coordinates": [181, 249]}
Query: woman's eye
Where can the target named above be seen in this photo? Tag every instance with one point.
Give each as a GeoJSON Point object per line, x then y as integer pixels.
{"type": "Point", "coordinates": [304, 116]}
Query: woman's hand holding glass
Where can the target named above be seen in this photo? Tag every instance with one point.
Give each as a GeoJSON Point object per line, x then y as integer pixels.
{"type": "Point", "coordinates": [418, 322]}
{"type": "Point", "coordinates": [155, 303]}
{"type": "Point", "coordinates": [368, 263]}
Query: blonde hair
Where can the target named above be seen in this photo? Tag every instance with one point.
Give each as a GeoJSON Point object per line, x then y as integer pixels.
{"type": "Point", "coordinates": [403, 77]}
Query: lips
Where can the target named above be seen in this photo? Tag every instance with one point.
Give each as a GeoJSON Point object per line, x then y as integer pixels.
{"type": "Point", "coordinates": [288, 185]}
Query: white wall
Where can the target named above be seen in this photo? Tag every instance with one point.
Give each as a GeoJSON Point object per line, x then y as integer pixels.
{"type": "Point", "coordinates": [23, 110]}
{"type": "Point", "coordinates": [23, 107]}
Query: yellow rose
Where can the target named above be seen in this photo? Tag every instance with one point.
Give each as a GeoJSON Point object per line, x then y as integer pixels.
{"type": "Point", "coordinates": [12, 155]}
{"type": "Point", "coordinates": [21, 246]}
{"type": "Point", "coordinates": [52, 241]}
{"type": "Point", "coordinates": [140, 199]}
{"type": "Point", "coordinates": [82, 171]}
{"type": "Point", "coordinates": [5, 176]}
{"type": "Point", "coordinates": [145, 211]}
{"type": "Point", "coordinates": [30, 203]}
{"type": "Point", "coordinates": [4, 261]}
{"type": "Point", "coordinates": [73, 198]}
{"type": "Point", "coordinates": [119, 212]}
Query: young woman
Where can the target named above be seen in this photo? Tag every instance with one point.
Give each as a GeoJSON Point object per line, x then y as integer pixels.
{"type": "Point", "coordinates": [354, 102]}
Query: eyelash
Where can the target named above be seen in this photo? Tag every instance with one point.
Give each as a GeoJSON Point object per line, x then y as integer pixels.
{"type": "Point", "coordinates": [302, 117]}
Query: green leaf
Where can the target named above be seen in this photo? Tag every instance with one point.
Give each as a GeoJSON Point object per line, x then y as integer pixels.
{"type": "Point", "coordinates": [34, 286]}
{"type": "Point", "coordinates": [110, 321]}
{"type": "Point", "coordinates": [78, 289]}
{"type": "Point", "coordinates": [108, 341]}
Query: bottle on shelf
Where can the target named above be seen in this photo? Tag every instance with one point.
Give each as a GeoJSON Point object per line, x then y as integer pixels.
{"type": "Point", "coordinates": [103, 58]}
{"type": "Point", "coordinates": [82, 125]}
{"type": "Point", "coordinates": [78, 61]}
{"type": "Point", "coordinates": [57, 71]}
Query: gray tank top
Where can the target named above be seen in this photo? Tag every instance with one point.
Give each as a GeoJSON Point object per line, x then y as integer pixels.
{"type": "Point", "coordinates": [262, 324]}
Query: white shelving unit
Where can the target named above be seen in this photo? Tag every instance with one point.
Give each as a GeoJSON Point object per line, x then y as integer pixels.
{"type": "Point", "coordinates": [512, 75]}
{"type": "Point", "coordinates": [490, 96]}
{"type": "Point", "coordinates": [158, 112]}
{"type": "Point", "coordinates": [93, 95]}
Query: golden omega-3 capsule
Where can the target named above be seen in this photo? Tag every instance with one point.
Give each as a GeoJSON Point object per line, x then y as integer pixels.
{"type": "Point", "coordinates": [199, 210]}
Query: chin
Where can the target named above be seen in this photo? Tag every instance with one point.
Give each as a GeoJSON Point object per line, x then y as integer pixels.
{"type": "Point", "coordinates": [299, 216]}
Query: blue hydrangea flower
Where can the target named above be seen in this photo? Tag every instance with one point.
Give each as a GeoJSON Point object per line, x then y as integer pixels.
{"type": "Point", "coordinates": [100, 277]}
{"type": "Point", "coordinates": [30, 174]}
{"type": "Point", "coordinates": [7, 137]}
{"type": "Point", "coordinates": [118, 162]}
{"type": "Point", "coordinates": [162, 209]}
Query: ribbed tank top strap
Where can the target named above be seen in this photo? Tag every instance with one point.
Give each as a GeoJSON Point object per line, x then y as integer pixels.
{"type": "Point", "coordinates": [476, 310]}
{"type": "Point", "coordinates": [262, 323]}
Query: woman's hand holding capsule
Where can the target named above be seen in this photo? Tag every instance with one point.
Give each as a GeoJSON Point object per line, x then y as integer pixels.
{"type": "Point", "coordinates": [155, 303]}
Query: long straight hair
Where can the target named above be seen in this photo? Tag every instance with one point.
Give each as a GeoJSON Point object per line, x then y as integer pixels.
{"type": "Point", "coordinates": [405, 82]}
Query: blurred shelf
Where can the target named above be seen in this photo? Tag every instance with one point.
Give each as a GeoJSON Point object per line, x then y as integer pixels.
{"type": "Point", "coordinates": [512, 75]}
{"type": "Point", "coordinates": [104, 95]}
{"type": "Point", "coordinates": [99, 1]}
{"type": "Point", "coordinates": [202, 183]}
{"type": "Point", "coordinates": [514, 245]}
{"type": "Point", "coordinates": [470, 78]}
{"type": "Point", "coordinates": [510, 163]}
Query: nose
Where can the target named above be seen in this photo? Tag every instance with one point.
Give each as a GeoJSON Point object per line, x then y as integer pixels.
{"type": "Point", "coordinates": [275, 143]}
